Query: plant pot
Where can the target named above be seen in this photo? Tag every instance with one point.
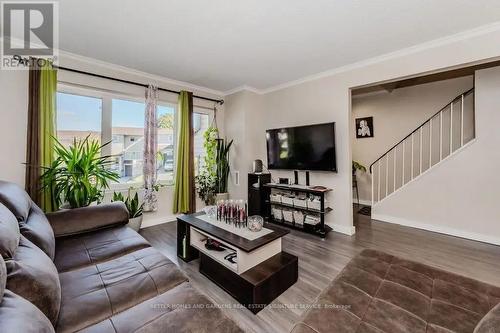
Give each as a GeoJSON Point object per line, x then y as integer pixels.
{"type": "Point", "coordinates": [135, 223]}
{"type": "Point", "coordinates": [221, 196]}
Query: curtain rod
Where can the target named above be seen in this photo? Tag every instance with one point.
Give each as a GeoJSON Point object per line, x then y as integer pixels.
{"type": "Point", "coordinates": [218, 101]}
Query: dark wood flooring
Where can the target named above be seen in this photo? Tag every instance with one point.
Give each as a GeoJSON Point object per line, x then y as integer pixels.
{"type": "Point", "coordinates": [321, 260]}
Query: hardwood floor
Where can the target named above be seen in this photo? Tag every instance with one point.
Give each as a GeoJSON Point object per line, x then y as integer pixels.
{"type": "Point", "coordinates": [321, 260]}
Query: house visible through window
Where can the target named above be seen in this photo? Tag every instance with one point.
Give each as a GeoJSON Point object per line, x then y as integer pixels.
{"type": "Point", "coordinates": [128, 141]}
{"type": "Point", "coordinates": [120, 120]}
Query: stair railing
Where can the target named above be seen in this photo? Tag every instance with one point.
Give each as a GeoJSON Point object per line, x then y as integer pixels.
{"type": "Point", "coordinates": [392, 166]}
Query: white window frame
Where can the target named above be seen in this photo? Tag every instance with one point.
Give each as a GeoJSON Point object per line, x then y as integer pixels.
{"type": "Point", "coordinates": [107, 117]}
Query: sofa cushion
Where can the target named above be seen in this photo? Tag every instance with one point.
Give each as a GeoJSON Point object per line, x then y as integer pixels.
{"type": "Point", "coordinates": [32, 275]}
{"type": "Point", "coordinates": [173, 311]}
{"type": "Point", "coordinates": [380, 293]}
{"type": "Point", "coordinates": [37, 229]}
{"type": "Point", "coordinates": [9, 232]}
{"type": "Point", "coordinates": [16, 199]}
{"type": "Point", "coordinates": [491, 322]}
{"type": "Point", "coordinates": [19, 315]}
{"type": "Point", "coordinates": [78, 251]}
{"type": "Point", "coordinates": [103, 290]}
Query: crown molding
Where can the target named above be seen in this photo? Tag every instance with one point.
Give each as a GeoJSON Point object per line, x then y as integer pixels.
{"type": "Point", "coordinates": [242, 88]}
{"type": "Point", "coordinates": [147, 76]}
{"type": "Point", "coordinates": [461, 36]}
{"type": "Point", "coordinates": [464, 35]}
{"type": "Point", "coordinates": [62, 55]}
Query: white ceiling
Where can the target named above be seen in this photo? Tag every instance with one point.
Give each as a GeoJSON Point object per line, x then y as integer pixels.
{"type": "Point", "coordinates": [224, 44]}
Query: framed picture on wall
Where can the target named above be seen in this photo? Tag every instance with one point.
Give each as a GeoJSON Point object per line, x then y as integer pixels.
{"type": "Point", "coordinates": [364, 127]}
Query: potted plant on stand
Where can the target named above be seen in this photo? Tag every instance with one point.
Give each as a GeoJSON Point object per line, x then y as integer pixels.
{"type": "Point", "coordinates": [356, 166]}
{"type": "Point", "coordinates": [135, 210]}
{"type": "Point", "coordinates": [212, 179]}
{"type": "Point", "coordinates": [79, 174]}
{"type": "Point", "coordinates": [206, 179]}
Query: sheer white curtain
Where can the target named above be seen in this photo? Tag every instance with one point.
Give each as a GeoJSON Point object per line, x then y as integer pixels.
{"type": "Point", "coordinates": [150, 148]}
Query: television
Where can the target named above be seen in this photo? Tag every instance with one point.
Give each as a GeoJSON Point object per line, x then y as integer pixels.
{"type": "Point", "coordinates": [302, 148]}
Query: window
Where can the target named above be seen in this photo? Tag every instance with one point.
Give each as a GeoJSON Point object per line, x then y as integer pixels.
{"type": "Point", "coordinates": [201, 122]}
{"type": "Point", "coordinates": [77, 117]}
{"type": "Point", "coordinates": [128, 141]}
{"type": "Point", "coordinates": [111, 117]}
{"type": "Point", "coordinates": [165, 157]}
{"type": "Point", "coordinates": [127, 128]}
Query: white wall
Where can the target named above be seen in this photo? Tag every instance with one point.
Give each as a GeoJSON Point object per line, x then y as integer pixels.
{"type": "Point", "coordinates": [327, 98]}
{"type": "Point", "coordinates": [13, 114]}
{"type": "Point", "coordinates": [395, 115]}
{"type": "Point", "coordinates": [460, 195]}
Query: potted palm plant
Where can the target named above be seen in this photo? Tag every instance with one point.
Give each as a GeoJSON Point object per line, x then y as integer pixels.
{"type": "Point", "coordinates": [79, 174]}
{"type": "Point", "coordinates": [135, 210]}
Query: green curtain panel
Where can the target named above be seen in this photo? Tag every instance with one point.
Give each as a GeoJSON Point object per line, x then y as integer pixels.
{"type": "Point", "coordinates": [184, 193]}
{"type": "Point", "coordinates": [47, 104]}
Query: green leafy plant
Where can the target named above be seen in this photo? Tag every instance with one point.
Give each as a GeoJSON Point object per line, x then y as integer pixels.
{"type": "Point", "coordinates": [206, 187]}
{"type": "Point", "coordinates": [133, 206]}
{"type": "Point", "coordinates": [79, 173]}
{"type": "Point", "coordinates": [206, 180]}
{"type": "Point", "coordinates": [357, 166]}
{"type": "Point", "coordinates": [222, 165]}
{"type": "Point", "coordinates": [210, 144]}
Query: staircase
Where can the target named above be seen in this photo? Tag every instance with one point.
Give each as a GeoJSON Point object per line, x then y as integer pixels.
{"type": "Point", "coordinates": [438, 138]}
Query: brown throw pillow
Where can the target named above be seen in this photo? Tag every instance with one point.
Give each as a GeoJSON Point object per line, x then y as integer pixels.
{"type": "Point", "coordinates": [9, 233]}
{"type": "Point", "coordinates": [3, 277]}
{"type": "Point", "coordinates": [16, 199]}
{"type": "Point", "coordinates": [38, 230]}
{"type": "Point", "coordinates": [32, 275]}
{"type": "Point", "coordinates": [19, 315]}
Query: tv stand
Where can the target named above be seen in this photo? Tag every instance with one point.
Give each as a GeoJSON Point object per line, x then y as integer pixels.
{"type": "Point", "coordinates": [320, 229]}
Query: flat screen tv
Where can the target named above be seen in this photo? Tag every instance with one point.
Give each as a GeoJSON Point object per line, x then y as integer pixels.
{"type": "Point", "coordinates": [302, 148]}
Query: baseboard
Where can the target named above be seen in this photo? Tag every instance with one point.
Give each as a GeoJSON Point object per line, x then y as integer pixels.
{"type": "Point", "coordinates": [343, 229]}
{"type": "Point", "coordinates": [439, 229]}
{"type": "Point", "coordinates": [158, 220]}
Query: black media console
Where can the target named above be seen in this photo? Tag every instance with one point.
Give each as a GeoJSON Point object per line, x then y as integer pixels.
{"type": "Point", "coordinates": [260, 189]}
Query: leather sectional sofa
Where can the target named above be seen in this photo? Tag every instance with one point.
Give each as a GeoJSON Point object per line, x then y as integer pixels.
{"type": "Point", "coordinates": [380, 293]}
{"type": "Point", "coordinates": [85, 270]}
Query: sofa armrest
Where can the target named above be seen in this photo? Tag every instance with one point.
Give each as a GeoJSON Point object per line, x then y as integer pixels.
{"type": "Point", "coordinates": [80, 220]}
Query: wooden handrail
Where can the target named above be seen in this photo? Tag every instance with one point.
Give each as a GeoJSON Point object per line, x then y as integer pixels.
{"type": "Point", "coordinates": [418, 128]}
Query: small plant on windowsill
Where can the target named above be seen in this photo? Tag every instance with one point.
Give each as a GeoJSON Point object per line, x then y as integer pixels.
{"type": "Point", "coordinates": [135, 210]}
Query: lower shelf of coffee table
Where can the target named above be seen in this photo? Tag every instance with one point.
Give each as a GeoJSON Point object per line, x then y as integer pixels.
{"type": "Point", "coordinates": [258, 286]}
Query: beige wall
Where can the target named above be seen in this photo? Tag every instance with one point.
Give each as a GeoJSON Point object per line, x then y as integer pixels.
{"type": "Point", "coordinates": [395, 115]}
{"type": "Point", "coordinates": [13, 124]}
{"type": "Point", "coordinates": [328, 99]}
{"type": "Point", "coordinates": [460, 195]}
{"type": "Point", "coordinates": [245, 112]}
{"type": "Point", "coordinates": [13, 114]}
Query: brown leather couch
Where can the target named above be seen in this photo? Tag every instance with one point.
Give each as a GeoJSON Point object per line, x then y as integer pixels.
{"type": "Point", "coordinates": [380, 293]}
{"type": "Point", "coordinates": [85, 270]}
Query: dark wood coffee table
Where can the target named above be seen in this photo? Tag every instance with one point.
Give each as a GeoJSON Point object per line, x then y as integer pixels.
{"type": "Point", "coordinates": [262, 270]}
